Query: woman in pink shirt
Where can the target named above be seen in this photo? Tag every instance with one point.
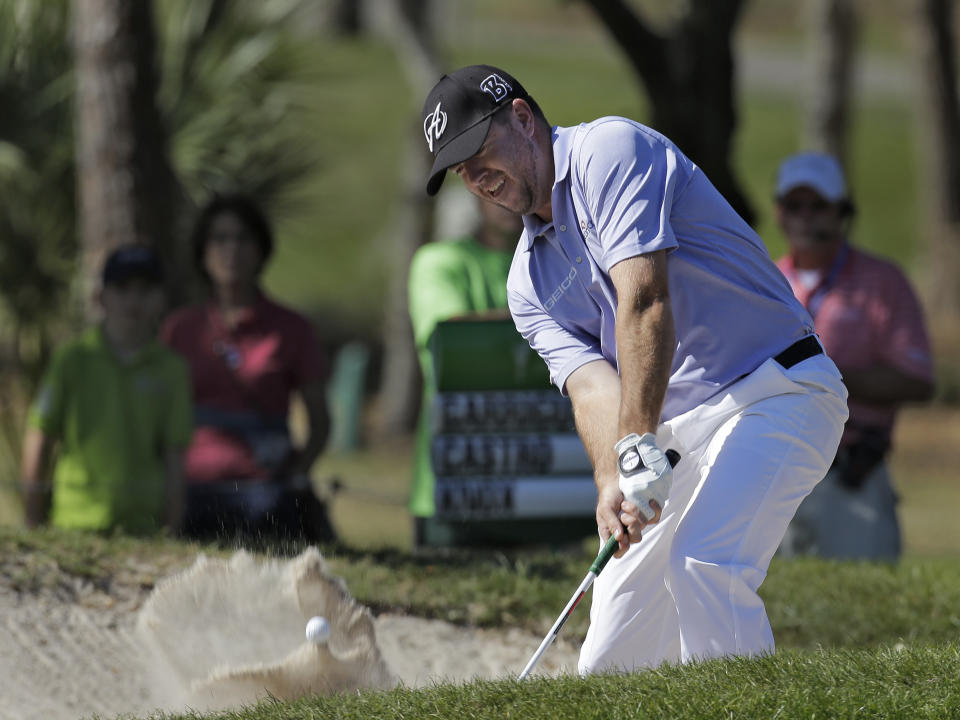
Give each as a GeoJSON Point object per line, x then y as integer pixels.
{"type": "Point", "coordinates": [248, 356]}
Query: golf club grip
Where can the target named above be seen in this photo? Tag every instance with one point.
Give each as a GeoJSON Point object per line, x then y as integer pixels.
{"type": "Point", "coordinates": [673, 457]}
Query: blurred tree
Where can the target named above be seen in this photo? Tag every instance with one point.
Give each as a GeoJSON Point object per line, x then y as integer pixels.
{"type": "Point", "coordinates": [941, 135]}
{"type": "Point", "coordinates": [124, 177]}
{"type": "Point", "coordinates": [37, 239]}
{"type": "Point", "coordinates": [688, 74]}
{"type": "Point", "coordinates": [347, 17]}
{"type": "Point", "coordinates": [230, 94]}
{"type": "Point", "coordinates": [410, 25]}
{"type": "Point", "coordinates": [36, 175]}
{"type": "Point", "coordinates": [833, 40]}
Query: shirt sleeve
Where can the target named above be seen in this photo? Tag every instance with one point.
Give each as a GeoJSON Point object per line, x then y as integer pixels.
{"type": "Point", "coordinates": [48, 407]}
{"type": "Point", "coordinates": [906, 345]}
{"type": "Point", "coordinates": [438, 289]}
{"type": "Point", "coordinates": [562, 350]}
{"type": "Point", "coordinates": [629, 178]}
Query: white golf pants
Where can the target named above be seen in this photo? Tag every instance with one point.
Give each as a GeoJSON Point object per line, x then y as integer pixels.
{"type": "Point", "coordinates": [688, 589]}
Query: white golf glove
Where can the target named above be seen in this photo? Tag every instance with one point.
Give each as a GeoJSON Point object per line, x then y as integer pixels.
{"type": "Point", "coordinates": [645, 472]}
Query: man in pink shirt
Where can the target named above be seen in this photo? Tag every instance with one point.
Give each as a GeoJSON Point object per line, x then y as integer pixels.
{"type": "Point", "coordinates": [871, 324]}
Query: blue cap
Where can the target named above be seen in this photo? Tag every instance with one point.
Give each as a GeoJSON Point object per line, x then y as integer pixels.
{"type": "Point", "coordinates": [132, 261]}
{"type": "Point", "coordinates": [818, 171]}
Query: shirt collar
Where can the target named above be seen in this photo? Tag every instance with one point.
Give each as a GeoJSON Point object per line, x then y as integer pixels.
{"type": "Point", "coordinates": [561, 139]}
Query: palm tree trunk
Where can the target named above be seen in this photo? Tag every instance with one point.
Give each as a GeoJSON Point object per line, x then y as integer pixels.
{"type": "Point", "coordinates": [123, 175]}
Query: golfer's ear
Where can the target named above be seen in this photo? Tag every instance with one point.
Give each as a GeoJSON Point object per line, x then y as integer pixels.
{"type": "Point", "coordinates": [524, 115]}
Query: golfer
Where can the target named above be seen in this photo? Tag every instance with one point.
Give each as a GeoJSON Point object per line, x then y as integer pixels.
{"type": "Point", "coordinates": [659, 312]}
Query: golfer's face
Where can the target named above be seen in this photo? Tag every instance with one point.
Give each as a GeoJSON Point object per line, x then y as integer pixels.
{"type": "Point", "coordinates": [503, 171]}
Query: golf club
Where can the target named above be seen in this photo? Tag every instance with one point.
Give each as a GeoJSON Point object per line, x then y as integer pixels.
{"type": "Point", "coordinates": [595, 569]}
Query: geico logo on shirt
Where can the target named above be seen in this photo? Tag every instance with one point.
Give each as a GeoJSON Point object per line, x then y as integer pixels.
{"type": "Point", "coordinates": [561, 289]}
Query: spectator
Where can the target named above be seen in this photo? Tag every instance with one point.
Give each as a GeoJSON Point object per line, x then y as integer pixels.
{"type": "Point", "coordinates": [116, 403]}
{"type": "Point", "coordinates": [872, 325]}
{"type": "Point", "coordinates": [247, 356]}
{"type": "Point", "coordinates": [447, 280]}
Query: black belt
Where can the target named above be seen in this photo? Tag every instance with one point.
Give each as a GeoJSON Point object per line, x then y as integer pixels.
{"type": "Point", "coordinates": [802, 349]}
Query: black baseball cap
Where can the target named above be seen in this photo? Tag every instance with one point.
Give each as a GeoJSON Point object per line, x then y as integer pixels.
{"type": "Point", "coordinates": [132, 261]}
{"type": "Point", "coordinates": [457, 114]}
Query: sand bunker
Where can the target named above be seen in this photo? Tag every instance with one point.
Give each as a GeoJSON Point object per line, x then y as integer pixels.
{"type": "Point", "coordinates": [239, 633]}
{"type": "Point", "coordinates": [224, 633]}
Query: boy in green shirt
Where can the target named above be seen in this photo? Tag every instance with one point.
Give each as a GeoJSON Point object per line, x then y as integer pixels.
{"type": "Point", "coordinates": [115, 402]}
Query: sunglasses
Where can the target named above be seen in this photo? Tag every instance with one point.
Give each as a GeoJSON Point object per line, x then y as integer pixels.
{"type": "Point", "coordinates": [797, 206]}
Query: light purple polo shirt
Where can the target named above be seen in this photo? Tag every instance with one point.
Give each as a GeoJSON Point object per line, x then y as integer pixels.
{"type": "Point", "coordinates": [622, 190]}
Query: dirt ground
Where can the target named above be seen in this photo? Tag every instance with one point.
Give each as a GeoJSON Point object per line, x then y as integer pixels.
{"type": "Point", "coordinates": [70, 650]}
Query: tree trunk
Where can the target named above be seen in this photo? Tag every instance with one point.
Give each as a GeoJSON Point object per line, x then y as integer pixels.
{"type": "Point", "coordinates": [689, 78]}
{"type": "Point", "coordinates": [833, 40]}
{"type": "Point", "coordinates": [940, 130]}
{"type": "Point", "coordinates": [411, 24]}
{"type": "Point", "coordinates": [123, 176]}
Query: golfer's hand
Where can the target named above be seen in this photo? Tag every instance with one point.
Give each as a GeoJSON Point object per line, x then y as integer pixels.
{"type": "Point", "coordinates": [609, 502]}
{"type": "Point", "coordinates": [645, 478]}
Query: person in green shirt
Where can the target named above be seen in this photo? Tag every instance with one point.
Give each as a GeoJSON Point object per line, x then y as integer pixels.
{"type": "Point", "coordinates": [115, 403]}
{"type": "Point", "coordinates": [454, 279]}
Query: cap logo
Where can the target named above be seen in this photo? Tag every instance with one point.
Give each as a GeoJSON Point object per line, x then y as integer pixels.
{"type": "Point", "coordinates": [434, 125]}
{"type": "Point", "coordinates": [496, 86]}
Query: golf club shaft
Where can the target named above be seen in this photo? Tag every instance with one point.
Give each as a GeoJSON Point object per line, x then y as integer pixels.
{"type": "Point", "coordinates": [605, 554]}
{"type": "Point", "coordinates": [609, 548]}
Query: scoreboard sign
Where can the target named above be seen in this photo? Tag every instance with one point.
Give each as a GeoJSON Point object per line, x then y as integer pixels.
{"type": "Point", "coordinates": [503, 443]}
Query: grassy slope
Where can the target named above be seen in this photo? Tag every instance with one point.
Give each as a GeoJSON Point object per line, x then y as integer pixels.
{"type": "Point", "coordinates": [909, 683]}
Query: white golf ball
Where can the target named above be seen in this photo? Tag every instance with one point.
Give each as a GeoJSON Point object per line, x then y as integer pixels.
{"type": "Point", "coordinates": [318, 630]}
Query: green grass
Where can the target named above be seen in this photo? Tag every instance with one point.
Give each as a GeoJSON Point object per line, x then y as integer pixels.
{"type": "Point", "coordinates": [891, 683]}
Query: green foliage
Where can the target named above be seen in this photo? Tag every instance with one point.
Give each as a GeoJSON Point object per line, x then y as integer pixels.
{"type": "Point", "coordinates": [229, 94]}
{"type": "Point", "coordinates": [36, 165]}
{"type": "Point", "coordinates": [37, 217]}
{"type": "Point", "coordinates": [229, 99]}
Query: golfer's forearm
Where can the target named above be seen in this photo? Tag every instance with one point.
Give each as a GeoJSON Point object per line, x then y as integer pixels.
{"type": "Point", "coordinates": [594, 391]}
{"type": "Point", "coordinates": [645, 345]}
